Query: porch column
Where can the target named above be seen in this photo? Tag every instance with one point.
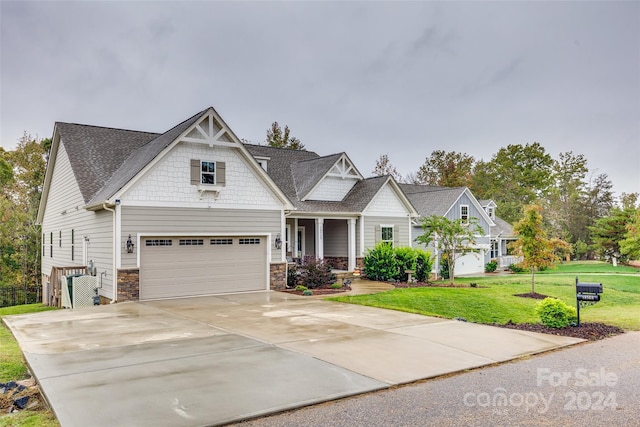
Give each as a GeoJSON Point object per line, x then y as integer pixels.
{"type": "Point", "coordinates": [499, 247]}
{"type": "Point", "coordinates": [294, 238]}
{"type": "Point", "coordinates": [351, 223]}
{"type": "Point", "coordinates": [319, 238]}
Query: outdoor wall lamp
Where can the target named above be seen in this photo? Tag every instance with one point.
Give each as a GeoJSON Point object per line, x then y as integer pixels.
{"type": "Point", "coordinates": [129, 245]}
{"type": "Point", "coordinates": [278, 242]}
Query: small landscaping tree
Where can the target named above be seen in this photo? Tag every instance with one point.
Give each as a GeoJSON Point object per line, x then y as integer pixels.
{"type": "Point", "coordinates": [532, 243]}
{"type": "Point", "coordinates": [452, 238]}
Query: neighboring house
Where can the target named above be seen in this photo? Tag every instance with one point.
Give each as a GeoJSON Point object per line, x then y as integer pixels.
{"type": "Point", "coordinates": [194, 211]}
{"type": "Point", "coordinates": [501, 235]}
{"type": "Point", "coordinates": [452, 203]}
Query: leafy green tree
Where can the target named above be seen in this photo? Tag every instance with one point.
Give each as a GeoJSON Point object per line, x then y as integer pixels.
{"type": "Point", "coordinates": [533, 244]}
{"type": "Point", "coordinates": [630, 245]}
{"type": "Point", "coordinates": [447, 169]}
{"type": "Point", "coordinates": [564, 206]}
{"type": "Point", "coordinates": [514, 177]}
{"type": "Point", "coordinates": [279, 138]}
{"type": "Point", "coordinates": [19, 199]}
{"type": "Point", "coordinates": [452, 238]}
{"type": "Point", "coordinates": [384, 167]}
{"type": "Point", "coordinates": [607, 233]}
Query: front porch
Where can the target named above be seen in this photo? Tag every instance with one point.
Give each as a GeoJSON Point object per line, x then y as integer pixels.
{"type": "Point", "coordinates": [335, 239]}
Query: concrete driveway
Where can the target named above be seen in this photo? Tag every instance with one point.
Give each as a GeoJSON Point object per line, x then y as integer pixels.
{"type": "Point", "coordinates": [213, 360]}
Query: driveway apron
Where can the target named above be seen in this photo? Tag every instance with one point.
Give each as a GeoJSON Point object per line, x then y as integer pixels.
{"type": "Point", "coordinates": [214, 360]}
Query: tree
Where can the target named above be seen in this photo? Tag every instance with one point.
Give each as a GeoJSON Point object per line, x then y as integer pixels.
{"type": "Point", "coordinates": [384, 167]}
{"type": "Point", "coordinates": [565, 203]}
{"type": "Point", "coordinates": [607, 233]}
{"type": "Point", "coordinates": [453, 238]}
{"type": "Point", "coordinates": [515, 177]}
{"type": "Point", "coordinates": [276, 137]}
{"type": "Point", "coordinates": [447, 169]}
{"type": "Point", "coordinates": [19, 200]}
{"type": "Point", "coordinates": [630, 245]}
{"type": "Point", "coordinates": [532, 243]}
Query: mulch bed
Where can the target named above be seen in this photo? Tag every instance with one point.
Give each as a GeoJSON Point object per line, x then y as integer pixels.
{"type": "Point", "coordinates": [322, 290]}
{"type": "Point", "coordinates": [586, 331]}
{"type": "Point", "coordinates": [534, 295]}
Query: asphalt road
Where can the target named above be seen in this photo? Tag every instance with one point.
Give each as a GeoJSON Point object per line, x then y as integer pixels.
{"type": "Point", "coordinates": [595, 384]}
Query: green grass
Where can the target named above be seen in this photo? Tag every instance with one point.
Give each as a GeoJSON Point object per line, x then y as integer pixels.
{"type": "Point", "coordinates": [582, 267]}
{"type": "Point", "coordinates": [494, 301]}
{"type": "Point", "coordinates": [13, 368]}
{"type": "Point", "coordinates": [12, 365]}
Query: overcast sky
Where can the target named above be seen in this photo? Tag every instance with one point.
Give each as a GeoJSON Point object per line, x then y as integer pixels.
{"type": "Point", "coordinates": [366, 78]}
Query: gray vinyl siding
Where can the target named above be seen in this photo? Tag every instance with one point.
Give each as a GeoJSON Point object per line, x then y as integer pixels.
{"type": "Point", "coordinates": [150, 220]}
{"type": "Point", "coordinates": [64, 196]}
{"type": "Point", "coordinates": [309, 236]}
{"type": "Point", "coordinates": [371, 222]}
{"type": "Point", "coordinates": [336, 237]}
{"type": "Point", "coordinates": [454, 212]}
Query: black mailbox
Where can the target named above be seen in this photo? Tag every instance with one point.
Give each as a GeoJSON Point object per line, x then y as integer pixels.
{"type": "Point", "coordinates": [587, 294]}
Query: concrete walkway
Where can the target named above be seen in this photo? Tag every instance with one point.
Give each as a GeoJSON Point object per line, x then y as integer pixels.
{"type": "Point", "coordinates": [213, 360]}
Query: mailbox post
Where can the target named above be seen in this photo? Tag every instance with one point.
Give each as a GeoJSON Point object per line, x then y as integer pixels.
{"type": "Point", "coordinates": [586, 294]}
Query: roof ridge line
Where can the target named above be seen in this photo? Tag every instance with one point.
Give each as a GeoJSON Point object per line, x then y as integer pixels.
{"type": "Point", "coordinates": [107, 127]}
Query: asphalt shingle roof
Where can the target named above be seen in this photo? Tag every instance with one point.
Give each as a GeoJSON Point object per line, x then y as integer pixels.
{"type": "Point", "coordinates": [95, 153]}
{"type": "Point", "coordinates": [297, 171]}
{"type": "Point", "coordinates": [139, 158]}
{"type": "Point", "coordinates": [502, 228]}
{"type": "Point", "coordinates": [432, 200]}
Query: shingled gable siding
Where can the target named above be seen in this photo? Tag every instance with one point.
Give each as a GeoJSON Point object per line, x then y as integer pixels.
{"type": "Point", "coordinates": [64, 212]}
{"type": "Point", "coordinates": [332, 189]}
{"type": "Point", "coordinates": [170, 181]}
{"type": "Point", "coordinates": [186, 221]}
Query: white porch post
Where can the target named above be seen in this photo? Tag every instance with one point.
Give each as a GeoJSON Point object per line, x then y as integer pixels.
{"type": "Point", "coordinates": [294, 251]}
{"type": "Point", "coordinates": [351, 222]}
{"type": "Point", "coordinates": [319, 238]}
{"type": "Point", "coordinates": [361, 250]}
{"type": "Point", "coordinates": [499, 247]}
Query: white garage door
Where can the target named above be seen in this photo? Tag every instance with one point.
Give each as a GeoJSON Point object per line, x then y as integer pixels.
{"type": "Point", "coordinates": [471, 263]}
{"type": "Point", "coordinates": [190, 266]}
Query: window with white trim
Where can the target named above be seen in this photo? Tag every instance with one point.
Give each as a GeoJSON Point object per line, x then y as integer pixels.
{"type": "Point", "coordinates": [464, 213]}
{"type": "Point", "coordinates": [386, 234]}
{"type": "Point", "coordinates": [208, 172]}
{"type": "Point", "coordinates": [216, 242]}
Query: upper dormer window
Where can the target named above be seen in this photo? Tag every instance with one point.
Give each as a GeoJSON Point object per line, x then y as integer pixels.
{"type": "Point", "coordinates": [262, 161]}
{"type": "Point", "coordinates": [464, 213]}
{"type": "Point", "coordinates": [208, 173]}
{"type": "Point", "coordinates": [491, 212]}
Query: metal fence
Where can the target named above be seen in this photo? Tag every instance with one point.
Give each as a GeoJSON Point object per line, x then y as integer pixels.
{"type": "Point", "coordinates": [17, 295]}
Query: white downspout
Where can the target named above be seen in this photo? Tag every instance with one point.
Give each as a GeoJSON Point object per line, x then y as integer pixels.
{"type": "Point", "coordinates": [116, 244]}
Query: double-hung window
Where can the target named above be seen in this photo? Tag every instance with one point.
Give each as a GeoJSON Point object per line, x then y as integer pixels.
{"type": "Point", "coordinates": [386, 234]}
{"type": "Point", "coordinates": [464, 213]}
{"type": "Point", "coordinates": [208, 172]}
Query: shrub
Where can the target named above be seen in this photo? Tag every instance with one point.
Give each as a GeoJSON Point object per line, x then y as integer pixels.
{"type": "Point", "coordinates": [315, 272]}
{"type": "Point", "coordinates": [301, 288]}
{"type": "Point", "coordinates": [307, 292]}
{"type": "Point", "coordinates": [423, 265]}
{"type": "Point", "coordinates": [516, 268]}
{"type": "Point", "coordinates": [293, 275]}
{"type": "Point", "coordinates": [336, 286]}
{"type": "Point", "coordinates": [555, 313]}
{"type": "Point", "coordinates": [380, 263]}
{"type": "Point", "coordinates": [405, 260]}
{"type": "Point", "coordinates": [490, 267]}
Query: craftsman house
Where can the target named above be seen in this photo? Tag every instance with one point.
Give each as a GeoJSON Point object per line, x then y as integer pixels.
{"type": "Point", "coordinates": [194, 211]}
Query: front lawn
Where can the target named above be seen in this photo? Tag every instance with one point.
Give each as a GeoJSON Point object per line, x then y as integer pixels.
{"type": "Point", "coordinates": [493, 301]}
{"type": "Point", "coordinates": [585, 267]}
